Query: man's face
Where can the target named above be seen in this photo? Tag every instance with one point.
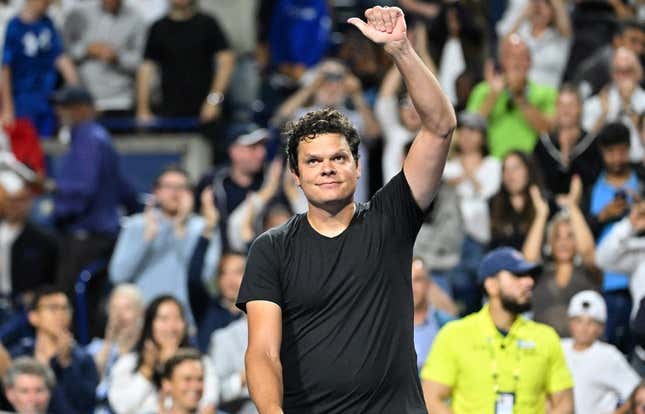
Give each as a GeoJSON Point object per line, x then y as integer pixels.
{"type": "Point", "coordinates": [328, 171]}
{"type": "Point", "coordinates": [634, 40]}
{"type": "Point", "coordinates": [125, 310]}
{"type": "Point", "coordinates": [420, 285]}
{"type": "Point", "coordinates": [515, 60]}
{"type": "Point", "coordinates": [186, 385]}
{"type": "Point", "coordinates": [626, 71]}
{"type": "Point", "coordinates": [170, 191]}
{"type": "Point", "coordinates": [39, 6]}
{"type": "Point", "coordinates": [616, 158]}
{"type": "Point", "coordinates": [52, 315]}
{"type": "Point", "coordinates": [639, 400]}
{"type": "Point", "coordinates": [181, 4]}
{"type": "Point", "coordinates": [568, 110]}
{"type": "Point", "coordinates": [248, 159]}
{"type": "Point", "coordinates": [230, 276]}
{"type": "Point", "coordinates": [17, 206]}
{"type": "Point", "coordinates": [29, 395]}
{"type": "Point", "coordinates": [585, 330]}
{"type": "Point", "coordinates": [514, 291]}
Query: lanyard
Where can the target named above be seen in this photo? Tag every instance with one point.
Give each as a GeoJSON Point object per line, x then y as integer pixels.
{"type": "Point", "coordinates": [495, 367]}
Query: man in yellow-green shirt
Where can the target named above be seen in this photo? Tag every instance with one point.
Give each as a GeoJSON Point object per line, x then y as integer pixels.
{"type": "Point", "coordinates": [516, 110]}
{"type": "Point", "coordinates": [496, 361]}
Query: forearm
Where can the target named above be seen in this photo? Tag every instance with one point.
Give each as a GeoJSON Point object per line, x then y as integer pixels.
{"type": "Point", "coordinates": [535, 118]}
{"type": "Point", "coordinates": [264, 377]}
{"type": "Point", "coordinates": [372, 129]}
{"type": "Point", "coordinates": [67, 69]}
{"type": "Point", "coordinates": [434, 107]}
{"type": "Point", "coordinates": [584, 238]}
{"type": "Point", "coordinates": [295, 101]}
{"type": "Point", "coordinates": [225, 66]}
{"type": "Point", "coordinates": [488, 104]}
{"type": "Point", "coordinates": [532, 248]}
{"type": "Point", "coordinates": [144, 76]}
{"type": "Point", "coordinates": [7, 93]}
{"type": "Point", "coordinates": [391, 83]}
{"type": "Point", "coordinates": [562, 20]}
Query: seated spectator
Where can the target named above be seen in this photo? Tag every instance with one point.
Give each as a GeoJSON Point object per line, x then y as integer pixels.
{"type": "Point", "coordinates": [182, 383]}
{"type": "Point", "coordinates": [545, 26]}
{"type": "Point", "coordinates": [299, 35]}
{"type": "Point", "coordinates": [244, 223]}
{"type": "Point", "coordinates": [594, 72]}
{"type": "Point", "coordinates": [622, 100]}
{"type": "Point", "coordinates": [513, 105]}
{"type": "Point", "coordinates": [570, 264]}
{"type": "Point", "coordinates": [125, 317]}
{"type": "Point", "coordinates": [213, 313]}
{"type": "Point", "coordinates": [568, 150]}
{"type": "Point", "coordinates": [333, 85]}
{"type": "Point", "coordinates": [429, 317]}
{"type": "Point", "coordinates": [511, 210]}
{"type": "Point", "coordinates": [246, 147]}
{"type": "Point", "coordinates": [587, 357]}
{"type": "Point", "coordinates": [623, 250]}
{"type": "Point", "coordinates": [192, 56]}
{"type": "Point", "coordinates": [638, 331]}
{"type": "Point", "coordinates": [53, 345]}
{"type": "Point", "coordinates": [473, 364]}
{"type": "Point", "coordinates": [90, 191]}
{"type": "Point", "coordinates": [32, 54]}
{"type": "Point", "coordinates": [136, 377]}
{"type": "Point", "coordinates": [476, 177]}
{"type": "Point", "coordinates": [28, 253]}
{"type": "Point", "coordinates": [105, 39]}
{"type": "Point", "coordinates": [154, 248]}
{"type": "Point", "coordinates": [28, 386]}
{"type": "Point", "coordinates": [227, 348]}
{"type": "Point", "coordinates": [610, 198]}
{"type": "Point", "coordinates": [636, 401]}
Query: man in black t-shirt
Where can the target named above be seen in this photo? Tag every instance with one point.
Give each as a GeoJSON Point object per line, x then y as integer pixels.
{"type": "Point", "coordinates": [328, 295]}
{"type": "Point", "coordinates": [186, 46]}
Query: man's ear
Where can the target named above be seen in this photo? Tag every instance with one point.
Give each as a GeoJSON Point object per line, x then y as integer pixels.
{"type": "Point", "coordinates": [491, 286]}
{"type": "Point", "coordinates": [295, 177]}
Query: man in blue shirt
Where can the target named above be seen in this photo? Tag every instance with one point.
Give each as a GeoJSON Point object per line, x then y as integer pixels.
{"type": "Point", "coordinates": [33, 52]}
{"type": "Point", "coordinates": [90, 188]}
{"type": "Point", "coordinates": [611, 197]}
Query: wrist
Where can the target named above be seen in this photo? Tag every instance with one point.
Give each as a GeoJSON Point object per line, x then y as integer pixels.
{"type": "Point", "coordinates": [215, 98]}
{"type": "Point", "coordinates": [399, 49]}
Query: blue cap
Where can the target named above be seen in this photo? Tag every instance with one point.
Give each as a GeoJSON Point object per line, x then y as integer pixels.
{"type": "Point", "coordinates": [246, 133]}
{"type": "Point", "coordinates": [71, 95]}
{"type": "Point", "coordinates": [506, 258]}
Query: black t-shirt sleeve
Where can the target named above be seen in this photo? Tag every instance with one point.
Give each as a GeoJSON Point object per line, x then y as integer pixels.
{"type": "Point", "coordinates": [216, 38]}
{"type": "Point", "coordinates": [154, 43]}
{"type": "Point", "coordinates": [395, 200]}
{"type": "Point", "coordinates": [261, 279]}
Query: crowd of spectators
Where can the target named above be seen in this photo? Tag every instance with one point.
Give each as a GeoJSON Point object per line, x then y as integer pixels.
{"type": "Point", "coordinates": [548, 158]}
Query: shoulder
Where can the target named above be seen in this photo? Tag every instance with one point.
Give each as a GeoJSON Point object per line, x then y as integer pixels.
{"type": "Point", "coordinates": [125, 363]}
{"type": "Point", "coordinates": [542, 91]}
{"type": "Point", "coordinates": [275, 236]}
{"type": "Point", "coordinates": [608, 351]}
{"type": "Point", "coordinates": [134, 221]}
{"type": "Point", "coordinates": [540, 332]}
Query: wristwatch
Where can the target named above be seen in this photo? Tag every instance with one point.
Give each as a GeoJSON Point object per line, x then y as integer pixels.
{"type": "Point", "coordinates": [215, 98]}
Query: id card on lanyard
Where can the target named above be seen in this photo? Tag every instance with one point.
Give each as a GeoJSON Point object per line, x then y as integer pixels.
{"type": "Point", "coordinates": [504, 403]}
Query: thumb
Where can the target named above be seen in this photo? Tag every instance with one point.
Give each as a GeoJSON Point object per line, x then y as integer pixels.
{"type": "Point", "coordinates": [360, 25]}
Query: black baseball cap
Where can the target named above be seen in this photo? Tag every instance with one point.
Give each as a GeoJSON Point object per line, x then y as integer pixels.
{"type": "Point", "coordinates": [72, 95]}
{"type": "Point", "coordinates": [246, 133]}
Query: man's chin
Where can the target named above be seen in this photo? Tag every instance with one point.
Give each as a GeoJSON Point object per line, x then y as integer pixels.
{"type": "Point", "coordinates": [515, 307]}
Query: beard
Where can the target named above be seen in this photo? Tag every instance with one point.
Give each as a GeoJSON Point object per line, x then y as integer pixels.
{"type": "Point", "coordinates": [513, 306]}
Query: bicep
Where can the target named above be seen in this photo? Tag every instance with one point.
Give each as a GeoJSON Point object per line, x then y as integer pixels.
{"type": "Point", "coordinates": [265, 328]}
{"type": "Point", "coordinates": [424, 164]}
{"type": "Point", "coordinates": [562, 401]}
{"type": "Point", "coordinates": [434, 391]}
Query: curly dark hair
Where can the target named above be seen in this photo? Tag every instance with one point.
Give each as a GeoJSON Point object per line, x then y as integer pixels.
{"type": "Point", "coordinates": [323, 121]}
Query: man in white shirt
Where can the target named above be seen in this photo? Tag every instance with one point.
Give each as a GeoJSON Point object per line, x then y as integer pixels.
{"type": "Point", "coordinates": [601, 375]}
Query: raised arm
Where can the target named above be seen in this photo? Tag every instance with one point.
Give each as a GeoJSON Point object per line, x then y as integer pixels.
{"type": "Point", "coordinates": [263, 366]}
{"type": "Point", "coordinates": [424, 164]}
{"type": "Point", "coordinates": [532, 248]}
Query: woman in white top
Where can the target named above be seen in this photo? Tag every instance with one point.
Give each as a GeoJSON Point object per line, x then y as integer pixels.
{"type": "Point", "coordinates": [476, 178]}
{"type": "Point", "coordinates": [545, 26]}
{"type": "Point", "coordinates": [136, 376]}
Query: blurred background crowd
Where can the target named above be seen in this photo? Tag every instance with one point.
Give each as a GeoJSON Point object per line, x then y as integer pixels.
{"type": "Point", "coordinates": [140, 155]}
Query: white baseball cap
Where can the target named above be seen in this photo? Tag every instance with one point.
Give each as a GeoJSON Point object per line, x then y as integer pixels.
{"type": "Point", "coordinates": [588, 303]}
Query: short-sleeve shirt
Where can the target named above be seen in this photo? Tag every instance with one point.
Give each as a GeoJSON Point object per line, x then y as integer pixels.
{"type": "Point", "coordinates": [31, 50]}
{"type": "Point", "coordinates": [508, 129]}
{"type": "Point", "coordinates": [347, 310]}
{"type": "Point", "coordinates": [184, 51]}
{"type": "Point", "coordinates": [529, 360]}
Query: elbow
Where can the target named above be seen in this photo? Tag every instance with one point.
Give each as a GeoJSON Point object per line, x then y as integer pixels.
{"type": "Point", "coordinates": [448, 125]}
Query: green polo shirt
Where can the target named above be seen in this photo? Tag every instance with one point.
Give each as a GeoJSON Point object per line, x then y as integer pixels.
{"type": "Point", "coordinates": [529, 362]}
{"type": "Point", "coordinates": [507, 128]}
